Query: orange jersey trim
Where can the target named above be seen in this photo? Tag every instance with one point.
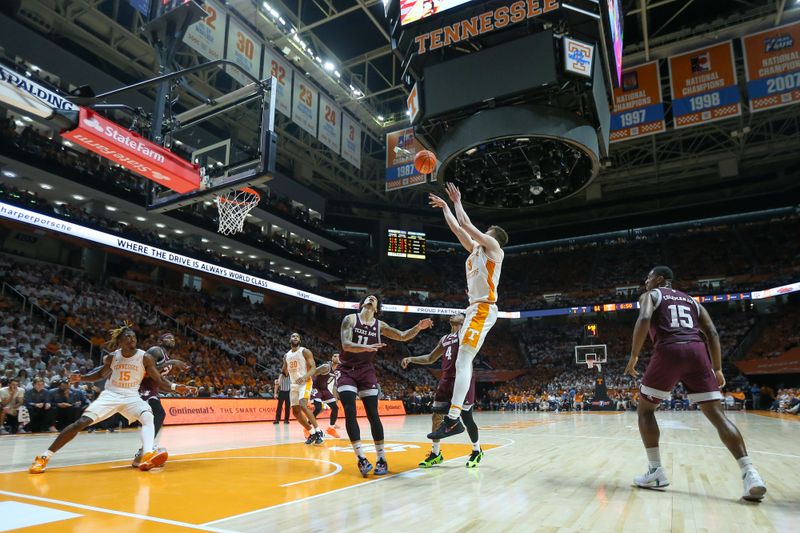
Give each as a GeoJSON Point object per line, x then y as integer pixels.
{"type": "Point", "coordinates": [490, 266]}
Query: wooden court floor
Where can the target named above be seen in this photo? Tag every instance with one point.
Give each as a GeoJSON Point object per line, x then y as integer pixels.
{"type": "Point", "coordinates": [542, 472]}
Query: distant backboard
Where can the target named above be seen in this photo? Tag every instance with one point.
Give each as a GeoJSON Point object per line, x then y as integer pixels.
{"type": "Point", "coordinates": [595, 353]}
{"type": "Point", "coordinates": [231, 138]}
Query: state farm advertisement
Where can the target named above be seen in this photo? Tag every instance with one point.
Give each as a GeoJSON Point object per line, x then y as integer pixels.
{"type": "Point", "coordinates": [224, 410]}
{"type": "Point", "coordinates": [130, 150]}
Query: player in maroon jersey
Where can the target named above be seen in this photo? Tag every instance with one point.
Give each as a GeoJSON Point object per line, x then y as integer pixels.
{"type": "Point", "coordinates": [321, 394]}
{"type": "Point", "coordinates": [447, 350]}
{"type": "Point", "coordinates": [361, 338]}
{"type": "Point", "coordinates": [149, 389]}
{"type": "Point", "coordinates": [675, 321]}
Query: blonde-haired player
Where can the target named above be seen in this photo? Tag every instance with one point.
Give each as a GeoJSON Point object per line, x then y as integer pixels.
{"type": "Point", "coordinates": [483, 276]}
{"type": "Point", "coordinates": [299, 362]}
{"type": "Point", "coordinates": [125, 368]}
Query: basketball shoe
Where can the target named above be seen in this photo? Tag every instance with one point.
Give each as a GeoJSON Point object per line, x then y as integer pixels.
{"type": "Point", "coordinates": [447, 428]}
{"type": "Point", "coordinates": [39, 464]}
{"type": "Point", "coordinates": [137, 459]}
{"type": "Point", "coordinates": [312, 437]}
{"type": "Point", "coordinates": [381, 468]}
{"type": "Point", "coordinates": [652, 479]}
{"type": "Point", "coordinates": [318, 438]}
{"type": "Point", "coordinates": [332, 432]}
{"type": "Point", "coordinates": [754, 486]}
{"type": "Point", "coordinates": [153, 459]}
{"type": "Point", "coordinates": [475, 459]}
{"type": "Point", "coordinates": [364, 466]}
{"type": "Point", "coordinates": [432, 459]}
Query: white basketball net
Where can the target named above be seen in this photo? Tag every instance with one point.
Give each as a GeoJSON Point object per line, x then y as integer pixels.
{"type": "Point", "coordinates": [233, 208]}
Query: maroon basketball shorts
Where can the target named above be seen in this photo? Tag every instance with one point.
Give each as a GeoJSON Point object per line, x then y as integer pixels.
{"type": "Point", "coordinates": [688, 363]}
{"type": "Point", "coordinates": [444, 394]}
{"type": "Point", "coordinates": [359, 379]}
{"type": "Point", "coordinates": [323, 396]}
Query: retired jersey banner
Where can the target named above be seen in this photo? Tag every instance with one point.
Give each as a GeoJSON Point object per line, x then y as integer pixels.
{"type": "Point", "coordinates": [330, 124]}
{"type": "Point", "coordinates": [772, 66]}
{"type": "Point", "coordinates": [304, 104]}
{"type": "Point", "coordinates": [207, 37]}
{"type": "Point", "coordinates": [244, 48]}
{"type": "Point", "coordinates": [704, 86]}
{"type": "Point", "coordinates": [638, 104]}
{"type": "Point", "coordinates": [278, 68]}
{"type": "Point", "coordinates": [351, 140]}
{"type": "Point", "coordinates": [401, 147]}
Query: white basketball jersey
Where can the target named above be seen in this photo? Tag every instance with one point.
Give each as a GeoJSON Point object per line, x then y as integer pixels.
{"type": "Point", "coordinates": [296, 362]}
{"type": "Point", "coordinates": [127, 373]}
{"type": "Point", "coordinates": [483, 276]}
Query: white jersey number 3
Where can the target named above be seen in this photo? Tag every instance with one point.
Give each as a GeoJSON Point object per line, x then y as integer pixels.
{"type": "Point", "coordinates": [681, 316]}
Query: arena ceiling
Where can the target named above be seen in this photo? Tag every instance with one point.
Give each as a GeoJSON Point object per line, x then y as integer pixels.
{"type": "Point", "coordinates": [735, 165]}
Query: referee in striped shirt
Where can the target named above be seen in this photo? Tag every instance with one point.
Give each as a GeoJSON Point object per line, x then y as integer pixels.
{"type": "Point", "coordinates": [282, 386]}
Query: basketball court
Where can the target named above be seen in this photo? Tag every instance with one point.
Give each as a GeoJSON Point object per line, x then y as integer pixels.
{"type": "Point", "coordinates": [541, 472]}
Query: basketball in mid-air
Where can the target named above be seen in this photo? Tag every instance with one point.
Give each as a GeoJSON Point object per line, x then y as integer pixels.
{"type": "Point", "coordinates": [425, 161]}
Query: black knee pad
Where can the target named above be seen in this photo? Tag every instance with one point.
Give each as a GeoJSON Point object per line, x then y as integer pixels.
{"type": "Point", "coordinates": [348, 399]}
{"type": "Point", "coordinates": [159, 414]}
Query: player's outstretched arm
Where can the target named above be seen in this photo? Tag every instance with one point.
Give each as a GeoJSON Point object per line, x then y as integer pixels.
{"type": "Point", "coordinates": [488, 242]}
{"type": "Point", "coordinates": [152, 372]}
{"type": "Point", "coordinates": [463, 237]}
{"type": "Point", "coordinates": [407, 335]}
{"type": "Point", "coordinates": [346, 335]}
{"type": "Point", "coordinates": [95, 375]}
{"type": "Point", "coordinates": [646, 309]}
{"type": "Point", "coordinates": [427, 359]}
{"type": "Point", "coordinates": [712, 337]}
{"type": "Point", "coordinates": [323, 369]}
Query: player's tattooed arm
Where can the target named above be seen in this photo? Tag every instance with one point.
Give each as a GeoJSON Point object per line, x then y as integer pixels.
{"type": "Point", "coordinates": [95, 375]}
{"type": "Point", "coordinates": [322, 369]}
{"type": "Point", "coordinates": [427, 359]}
{"type": "Point", "coordinates": [407, 335]}
{"type": "Point", "coordinates": [346, 334]}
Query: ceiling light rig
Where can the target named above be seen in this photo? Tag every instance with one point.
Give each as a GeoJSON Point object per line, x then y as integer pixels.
{"type": "Point", "coordinates": [514, 172]}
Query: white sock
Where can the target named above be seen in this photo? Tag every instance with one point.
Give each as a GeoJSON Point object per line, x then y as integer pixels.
{"type": "Point", "coordinates": [148, 431]}
{"type": "Point", "coordinates": [653, 458]}
{"type": "Point", "coordinates": [436, 447]}
{"type": "Point", "coordinates": [356, 444]}
{"type": "Point", "coordinates": [380, 451]}
{"type": "Point", "coordinates": [48, 454]}
{"type": "Point", "coordinates": [476, 446]}
{"type": "Point", "coordinates": [454, 412]}
{"type": "Point", "coordinates": [745, 464]}
{"type": "Point", "coordinates": [156, 439]}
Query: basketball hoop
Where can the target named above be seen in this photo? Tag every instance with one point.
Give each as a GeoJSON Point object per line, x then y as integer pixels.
{"type": "Point", "coordinates": [233, 208]}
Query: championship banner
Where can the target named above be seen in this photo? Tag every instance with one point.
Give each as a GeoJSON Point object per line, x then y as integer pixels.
{"type": "Point", "coordinates": [207, 37]}
{"type": "Point", "coordinates": [704, 86]}
{"type": "Point", "coordinates": [304, 104]}
{"type": "Point", "coordinates": [330, 124]}
{"type": "Point", "coordinates": [400, 170]}
{"type": "Point", "coordinates": [772, 67]}
{"type": "Point", "coordinates": [130, 150]}
{"type": "Point", "coordinates": [244, 49]}
{"type": "Point", "coordinates": [227, 410]}
{"type": "Point", "coordinates": [638, 104]}
{"type": "Point", "coordinates": [275, 66]}
{"type": "Point", "coordinates": [351, 140]}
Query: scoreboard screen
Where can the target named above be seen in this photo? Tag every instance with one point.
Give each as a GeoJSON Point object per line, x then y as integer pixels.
{"type": "Point", "coordinates": [414, 10]}
{"type": "Point", "coordinates": [409, 244]}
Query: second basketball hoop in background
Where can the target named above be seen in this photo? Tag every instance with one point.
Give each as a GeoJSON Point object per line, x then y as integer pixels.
{"type": "Point", "coordinates": [233, 208]}
{"type": "Point", "coordinates": [425, 162]}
